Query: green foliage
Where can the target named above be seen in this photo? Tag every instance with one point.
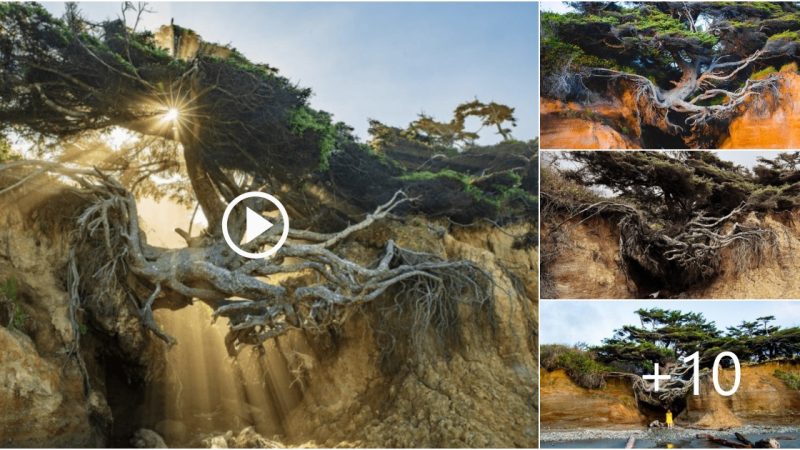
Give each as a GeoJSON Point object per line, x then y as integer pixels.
{"type": "Point", "coordinates": [6, 153]}
{"type": "Point", "coordinates": [786, 35]}
{"type": "Point", "coordinates": [657, 41]}
{"type": "Point", "coordinates": [9, 289]}
{"type": "Point", "coordinates": [576, 19]}
{"type": "Point", "coordinates": [634, 40]}
{"type": "Point", "coordinates": [767, 8]}
{"type": "Point", "coordinates": [675, 186]}
{"type": "Point", "coordinates": [652, 179]}
{"type": "Point", "coordinates": [791, 379]}
{"type": "Point", "coordinates": [8, 295]}
{"type": "Point", "coordinates": [666, 335]}
{"type": "Point", "coordinates": [305, 119]}
{"type": "Point", "coordinates": [664, 25]}
{"type": "Point", "coordinates": [557, 55]}
{"type": "Point", "coordinates": [240, 62]}
{"type": "Point", "coordinates": [464, 179]}
{"type": "Point", "coordinates": [19, 318]}
{"type": "Point", "coordinates": [565, 191]}
{"type": "Point", "coordinates": [579, 364]}
{"type": "Point", "coordinates": [148, 47]}
{"type": "Point", "coordinates": [446, 173]}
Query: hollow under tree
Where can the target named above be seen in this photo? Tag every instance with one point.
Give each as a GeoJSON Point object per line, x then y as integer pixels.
{"type": "Point", "coordinates": [689, 65]}
{"type": "Point", "coordinates": [239, 126]}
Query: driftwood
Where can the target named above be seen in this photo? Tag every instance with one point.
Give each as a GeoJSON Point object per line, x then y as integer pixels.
{"type": "Point", "coordinates": [743, 441]}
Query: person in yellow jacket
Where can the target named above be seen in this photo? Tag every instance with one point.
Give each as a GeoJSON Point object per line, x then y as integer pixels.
{"type": "Point", "coordinates": [669, 418]}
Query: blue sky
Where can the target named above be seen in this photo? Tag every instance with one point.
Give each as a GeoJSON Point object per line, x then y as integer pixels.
{"type": "Point", "coordinates": [388, 61]}
{"type": "Point", "coordinates": [557, 7]}
{"type": "Point", "coordinates": [571, 322]}
{"type": "Point", "coordinates": [746, 158]}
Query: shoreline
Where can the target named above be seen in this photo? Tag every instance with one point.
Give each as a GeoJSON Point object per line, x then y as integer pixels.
{"type": "Point", "coordinates": [659, 433]}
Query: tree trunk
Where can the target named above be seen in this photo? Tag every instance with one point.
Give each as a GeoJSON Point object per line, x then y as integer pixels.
{"type": "Point", "coordinates": [207, 195]}
{"type": "Point", "coordinates": [685, 87]}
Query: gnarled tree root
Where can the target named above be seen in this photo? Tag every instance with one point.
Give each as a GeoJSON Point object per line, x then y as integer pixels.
{"type": "Point", "coordinates": [111, 257]}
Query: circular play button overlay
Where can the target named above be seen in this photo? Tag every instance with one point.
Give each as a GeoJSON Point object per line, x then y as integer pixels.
{"type": "Point", "coordinates": [256, 225]}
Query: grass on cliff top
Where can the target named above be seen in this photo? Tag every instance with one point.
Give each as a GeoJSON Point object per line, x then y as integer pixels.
{"type": "Point", "coordinates": [791, 379]}
{"type": "Point", "coordinates": [579, 364]}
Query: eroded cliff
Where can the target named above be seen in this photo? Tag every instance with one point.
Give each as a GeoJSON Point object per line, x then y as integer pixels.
{"type": "Point", "coordinates": [566, 405]}
{"type": "Point", "coordinates": [598, 126]}
{"type": "Point", "coordinates": [361, 385]}
{"type": "Point", "coordinates": [589, 265]}
{"type": "Point", "coordinates": [767, 121]}
{"type": "Point", "coordinates": [762, 399]}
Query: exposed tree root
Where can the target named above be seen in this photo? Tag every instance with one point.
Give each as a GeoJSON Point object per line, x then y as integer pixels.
{"type": "Point", "coordinates": [654, 104]}
{"type": "Point", "coordinates": [111, 257]}
{"type": "Point", "coordinates": [682, 256]}
{"type": "Point", "coordinates": [669, 391]}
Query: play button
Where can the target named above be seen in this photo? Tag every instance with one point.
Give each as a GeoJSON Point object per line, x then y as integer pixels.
{"type": "Point", "coordinates": [255, 226]}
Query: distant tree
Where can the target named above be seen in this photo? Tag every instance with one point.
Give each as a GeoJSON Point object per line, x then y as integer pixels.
{"type": "Point", "coordinates": [451, 134]}
{"type": "Point", "coordinates": [491, 114]}
{"type": "Point", "coordinates": [446, 134]}
{"type": "Point", "coordinates": [781, 170]}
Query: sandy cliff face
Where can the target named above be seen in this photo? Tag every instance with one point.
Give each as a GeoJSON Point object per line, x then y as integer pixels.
{"type": "Point", "coordinates": [41, 405]}
{"type": "Point", "coordinates": [42, 401]}
{"type": "Point", "coordinates": [571, 126]}
{"type": "Point", "coordinates": [769, 122]}
{"type": "Point", "coordinates": [762, 399]}
{"type": "Point", "coordinates": [774, 276]}
{"type": "Point", "coordinates": [589, 265]}
{"type": "Point", "coordinates": [436, 401]}
{"type": "Point", "coordinates": [566, 405]}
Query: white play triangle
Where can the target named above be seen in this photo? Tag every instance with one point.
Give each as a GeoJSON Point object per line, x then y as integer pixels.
{"type": "Point", "coordinates": [256, 226]}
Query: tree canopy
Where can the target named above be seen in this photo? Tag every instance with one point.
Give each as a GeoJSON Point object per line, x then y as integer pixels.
{"type": "Point", "coordinates": [227, 115]}
{"type": "Point", "coordinates": [689, 65]}
{"type": "Point", "coordinates": [210, 124]}
{"type": "Point", "coordinates": [666, 336]}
